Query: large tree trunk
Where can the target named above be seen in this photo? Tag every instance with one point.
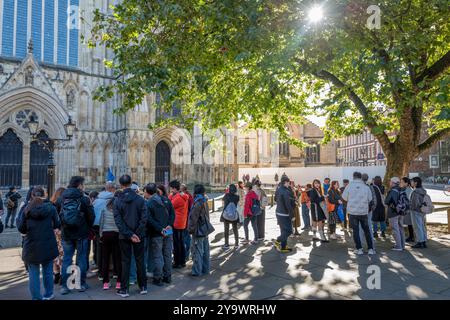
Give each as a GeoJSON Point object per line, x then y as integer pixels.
{"type": "Point", "coordinates": [399, 158]}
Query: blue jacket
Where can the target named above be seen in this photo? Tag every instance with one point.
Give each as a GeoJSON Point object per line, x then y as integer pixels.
{"type": "Point", "coordinates": [100, 204]}
{"type": "Point", "coordinates": [158, 216]}
{"type": "Point", "coordinates": [39, 244]}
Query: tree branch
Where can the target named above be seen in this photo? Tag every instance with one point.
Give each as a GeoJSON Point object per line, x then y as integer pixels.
{"type": "Point", "coordinates": [435, 70]}
{"type": "Point", "coordinates": [359, 104]}
{"type": "Point", "coordinates": [432, 139]}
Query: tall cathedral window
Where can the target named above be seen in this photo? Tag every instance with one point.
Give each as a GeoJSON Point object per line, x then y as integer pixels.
{"type": "Point", "coordinates": [313, 153]}
{"type": "Point", "coordinates": [284, 149]}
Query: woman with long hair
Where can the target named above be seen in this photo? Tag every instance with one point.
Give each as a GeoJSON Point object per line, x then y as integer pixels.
{"type": "Point", "coordinates": [241, 203]}
{"type": "Point", "coordinates": [335, 200]}
{"type": "Point", "coordinates": [57, 263]}
{"type": "Point", "coordinates": [39, 248]}
{"type": "Point", "coordinates": [317, 210]}
{"type": "Point", "coordinates": [379, 213]}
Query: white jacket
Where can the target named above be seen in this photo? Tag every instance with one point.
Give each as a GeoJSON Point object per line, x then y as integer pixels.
{"type": "Point", "coordinates": [358, 195]}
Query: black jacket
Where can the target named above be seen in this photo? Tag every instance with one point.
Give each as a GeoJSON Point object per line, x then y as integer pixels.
{"type": "Point", "coordinates": [392, 200]}
{"type": "Point", "coordinates": [285, 201]}
{"type": "Point", "coordinates": [86, 209]}
{"type": "Point", "coordinates": [379, 213]}
{"type": "Point", "coordinates": [130, 214]}
{"type": "Point", "coordinates": [169, 205]}
{"type": "Point", "coordinates": [158, 216]}
{"type": "Point", "coordinates": [39, 244]}
{"type": "Point", "coordinates": [316, 199]}
{"type": "Point", "coordinates": [227, 198]}
{"type": "Point", "coordinates": [14, 196]}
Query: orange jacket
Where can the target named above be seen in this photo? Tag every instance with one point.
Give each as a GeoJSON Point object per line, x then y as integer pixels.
{"type": "Point", "coordinates": [180, 204]}
{"type": "Point", "coordinates": [304, 197]}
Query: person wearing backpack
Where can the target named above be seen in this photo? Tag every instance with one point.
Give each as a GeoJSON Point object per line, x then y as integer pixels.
{"type": "Point", "coordinates": [38, 223]}
{"type": "Point", "coordinates": [230, 215]}
{"type": "Point", "coordinates": [396, 202]}
{"type": "Point", "coordinates": [250, 213]}
{"type": "Point", "coordinates": [284, 213]}
{"type": "Point", "coordinates": [160, 229]}
{"type": "Point", "coordinates": [130, 215]}
{"type": "Point", "coordinates": [420, 206]}
{"type": "Point", "coordinates": [200, 227]}
{"type": "Point", "coordinates": [77, 217]}
{"type": "Point", "coordinates": [12, 203]}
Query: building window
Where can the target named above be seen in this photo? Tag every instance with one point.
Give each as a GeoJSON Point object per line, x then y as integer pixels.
{"type": "Point", "coordinates": [444, 156]}
{"type": "Point", "coordinates": [312, 154]}
{"type": "Point", "coordinates": [284, 149]}
{"type": "Point", "coordinates": [247, 153]}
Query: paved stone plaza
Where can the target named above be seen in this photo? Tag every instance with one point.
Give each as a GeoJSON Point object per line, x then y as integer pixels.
{"type": "Point", "coordinates": [311, 271]}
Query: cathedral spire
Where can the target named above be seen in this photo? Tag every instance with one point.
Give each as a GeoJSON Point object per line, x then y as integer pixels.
{"type": "Point", "coordinates": [30, 46]}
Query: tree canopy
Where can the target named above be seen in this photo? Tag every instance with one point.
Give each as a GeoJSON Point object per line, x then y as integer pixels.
{"type": "Point", "coordinates": [266, 62]}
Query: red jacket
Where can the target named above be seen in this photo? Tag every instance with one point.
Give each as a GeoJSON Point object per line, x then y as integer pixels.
{"type": "Point", "coordinates": [180, 205]}
{"type": "Point", "coordinates": [248, 203]}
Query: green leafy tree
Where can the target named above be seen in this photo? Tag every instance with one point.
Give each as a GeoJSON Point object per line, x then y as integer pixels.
{"type": "Point", "coordinates": [266, 62]}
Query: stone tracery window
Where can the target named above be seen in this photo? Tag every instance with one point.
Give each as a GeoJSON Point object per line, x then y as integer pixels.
{"type": "Point", "coordinates": [23, 116]}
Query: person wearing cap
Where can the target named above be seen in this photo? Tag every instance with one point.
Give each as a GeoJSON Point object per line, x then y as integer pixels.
{"type": "Point", "coordinates": [395, 219]}
{"type": "Point", "coordinates": [284, 213]}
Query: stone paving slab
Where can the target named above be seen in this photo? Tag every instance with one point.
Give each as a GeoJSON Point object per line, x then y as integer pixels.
{"type": "Point", "coordinates": [312, 271]}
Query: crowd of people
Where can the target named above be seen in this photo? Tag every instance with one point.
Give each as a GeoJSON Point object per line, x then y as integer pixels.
{"type": "Point", "coordinates": [140, 233]}
{"type": "Point", "coordinates": [136, 234]}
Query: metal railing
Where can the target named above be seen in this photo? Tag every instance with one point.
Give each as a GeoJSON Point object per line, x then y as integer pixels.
{"type": "Point", "coordinates": [446, 207]}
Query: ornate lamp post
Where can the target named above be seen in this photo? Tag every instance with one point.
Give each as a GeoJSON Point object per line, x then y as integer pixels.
{"type": "Point", "coordinates": [49, 145]}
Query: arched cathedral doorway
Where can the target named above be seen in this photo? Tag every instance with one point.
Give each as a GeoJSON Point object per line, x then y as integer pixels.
{"type": "Point", "coordinates": [162, 164]}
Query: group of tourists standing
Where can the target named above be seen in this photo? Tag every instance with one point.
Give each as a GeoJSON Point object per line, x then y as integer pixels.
{"type": "Point", "coordinates": [145, 234]}
{"type": "Point", "coordinates": [366, 206]}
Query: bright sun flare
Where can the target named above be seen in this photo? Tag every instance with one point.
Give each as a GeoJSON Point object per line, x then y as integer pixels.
{"type": "Point", "coordinates": [315, 14]}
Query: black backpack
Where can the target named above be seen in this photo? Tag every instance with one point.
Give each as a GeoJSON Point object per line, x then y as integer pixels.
{"type": "Point", "coordinates": [71, 214]}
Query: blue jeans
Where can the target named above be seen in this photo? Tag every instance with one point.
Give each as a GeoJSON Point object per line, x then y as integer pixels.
{"type": "Point", "coordinates": [355, 222]}
{"type": "Point", "coordinates": [35, 283]}
{"type": "Point", "coordinates": [285, 224]}
{"type": "Point", "coordinates": [252, 220]}
{"type": "Point", "coordinates": [162, 248]}
{"type": "Point", "coordinates": [361, 231]}
{"type": "Point", "coordinates": [187, 243]}
{"type": "Point", "coordinates": [382, 226]}
{"type": "Point", "coordinates": [419, 226]}
{"type": "Point", "coordinates": [200, 255]}
{"type": "Point", "coordinates": [305, 216]}
{"type": "Point", "coordinates": [69, 247]}
{"type": "Point", "coordinates": [10, 214]}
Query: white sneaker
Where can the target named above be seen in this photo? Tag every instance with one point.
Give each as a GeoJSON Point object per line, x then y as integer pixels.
{"type": "Point", "coordinates": [371, 252]}
{"type": "Point", "coordinates": [49, 298]}
{"type": "Point", "coordinates": [359, 252]}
